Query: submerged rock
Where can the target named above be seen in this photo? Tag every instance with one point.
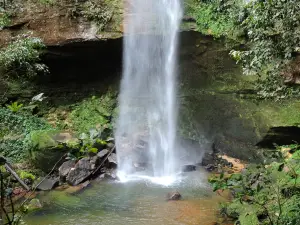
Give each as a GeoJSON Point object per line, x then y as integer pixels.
{"type": "Point", "coordinates": [174, 196]}
{"type": "Point", "coordinates": [34, 204]}
{"type": "Point", "coordinates": [108, 174]}
{"type": "Point", "coordinates": [78, 188]}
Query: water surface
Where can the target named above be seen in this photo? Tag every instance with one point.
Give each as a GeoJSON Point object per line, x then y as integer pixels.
{"type": "Point", "coordinates": [131, 203]}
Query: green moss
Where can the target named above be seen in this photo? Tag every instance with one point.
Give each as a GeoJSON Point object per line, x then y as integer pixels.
{"type": "Point", "coordinates": [93, 112]}
{"type": "Point", "coordinates": [284, 113]}
{"type": "Point", "coordinates": [42, 139]}
{"type": "Point", "coordinates": [44, 149]}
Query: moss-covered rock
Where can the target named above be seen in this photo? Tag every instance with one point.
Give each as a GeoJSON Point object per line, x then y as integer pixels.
{"type": "Point", "coordinates": [47, 147]}
{"type": "Point", "coordinates": [94, 113]}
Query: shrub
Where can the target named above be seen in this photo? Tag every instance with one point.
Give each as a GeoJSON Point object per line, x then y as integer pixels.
{"type": "Point", "coordinates": [269, 193]}
{"type": "Point", "coordinates": [22, 58]}
{"type": "Point", "coordinates": [99, 12]}
{"type": "Point", "coordinates": [14, 107]}
{"type": "Point", "coordinates": [26, 175]}
{"type": "Point", "coordinates": [219, 18]}
{"type": "Point", "coordinates": [14, 128]}
{"type": "Point", "coordinates": [270, 30]}
{"type": "Point", "coordinates": [4, 19]}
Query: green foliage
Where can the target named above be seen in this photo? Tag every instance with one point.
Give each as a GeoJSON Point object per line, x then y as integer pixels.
{"type": "Point", "coordinates": [270, 193]}
{"type": "Point", "coordinates": [94, 112]}
{"type": "Point", "coordinates": [4, 18]}
{"type": "Point", "coordinates": [219, 18]}
{"type": "Point", "coordinates": [273, 30]}
{"type": "Point", "coordinates": [22, 58]}
{"type": "Point", "coordinates": [91, 143]}
{"type": "Point", "coordinates": [14, 128]}
{"type": "Point", "coordinates": [47, 2]}
{"type": "Point", "coordinates": [270, 30]}
{"type": "Point", "coordinates": [26, 175]}
{"type": "Point", "coordinates": [99, 12]}
{"type": "Point", "coordinates": [273, 33]}
{"type": "Point", "coordinates": [14, 107]}
{"type": "Point", "coordinates": [272, 87]}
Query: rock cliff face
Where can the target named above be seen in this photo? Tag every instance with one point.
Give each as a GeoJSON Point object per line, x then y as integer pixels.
{"type": "Point", "coordinates": [60, 21]}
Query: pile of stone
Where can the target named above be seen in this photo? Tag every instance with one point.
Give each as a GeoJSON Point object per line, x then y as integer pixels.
{"type": "Point", "coordinates": [76, 172]}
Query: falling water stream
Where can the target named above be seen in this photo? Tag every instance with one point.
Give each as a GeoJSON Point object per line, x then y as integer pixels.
{"type": "Point", "coordinates": [148, 110]}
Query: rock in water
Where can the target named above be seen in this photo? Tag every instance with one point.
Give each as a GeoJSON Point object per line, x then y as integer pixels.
{"type": "Point", "coordinates": [47, 184]}
{"type": "Point", "coordinates": [34, 204]}
{"type": "Point", "coordinates": [188, 168]}
{"type": "Point", "coordinates": [174, 196]}
{"type": "Point", "coordinates": [112, 159]}
{"type": "Point", "coordinates": [109, 174]}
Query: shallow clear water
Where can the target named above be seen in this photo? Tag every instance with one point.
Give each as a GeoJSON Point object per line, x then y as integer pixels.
{"type": "Point", "coordinates": [131, 203]}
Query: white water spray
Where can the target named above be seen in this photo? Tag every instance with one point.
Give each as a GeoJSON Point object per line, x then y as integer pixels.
{"type": "Point", "coordinates": [146, 127]}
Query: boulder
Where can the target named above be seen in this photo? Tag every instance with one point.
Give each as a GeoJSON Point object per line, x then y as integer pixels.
{"type": "Point", "coordinates": [108, 174]}
{"type": "Point", "coordinates": [80, 172]}
{"type": "Point", "coordinates": [47, 147]}
{"type": "Point", "coordinates": [210, 167]}
{"type": "Point", "coordinates": [174, 196]}
{"type": "Point", "coordinates": [189, 168]}
{"type": "Point", "coordinates": [208, 158]}
{"type": "Point", "coordinates": [110, 146]}
{"type": "Point", "coordinates": [102, 153]}
{"type": "Point", "coordinates": [47, 184]}
{"type": "Point", "coordinates": [65, 168]}
{"type": "Point", "coordinates": [95, 162]}
{"type": "Point", "coordinates": [112, 159]}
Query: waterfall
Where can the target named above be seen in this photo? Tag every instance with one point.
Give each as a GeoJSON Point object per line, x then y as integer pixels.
{"type": "Point", "coordinates": [146, 127]}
